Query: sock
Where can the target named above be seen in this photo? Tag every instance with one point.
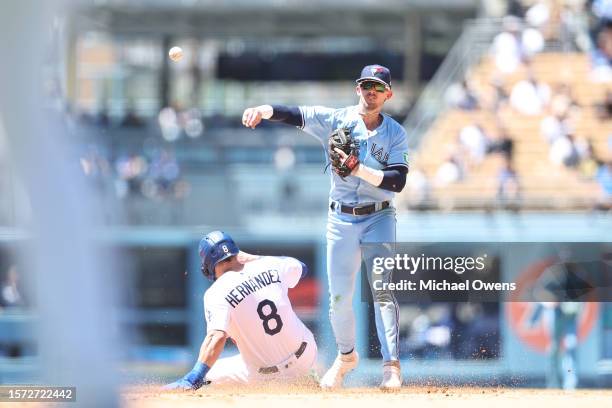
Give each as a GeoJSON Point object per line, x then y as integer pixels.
{"type": "Point", "coordinates": [392, 363]}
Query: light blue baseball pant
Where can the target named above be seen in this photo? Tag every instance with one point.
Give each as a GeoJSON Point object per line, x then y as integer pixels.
{"type": "Point", "coordinates": [345, 234]}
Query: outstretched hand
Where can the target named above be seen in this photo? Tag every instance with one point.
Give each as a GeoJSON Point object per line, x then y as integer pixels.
{"type": "Point", "coordinates": [180, 385]}
{"type": "Point", "coordinates": [191, 381]}
{"type": "Point", "coordinates": [252, 117]}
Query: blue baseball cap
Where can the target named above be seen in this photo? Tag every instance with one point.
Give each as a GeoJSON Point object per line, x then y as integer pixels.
{"type": "Point", "coordinates": [376, 73]}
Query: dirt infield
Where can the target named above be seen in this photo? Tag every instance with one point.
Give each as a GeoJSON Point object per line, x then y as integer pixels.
{"type": "Point", "coordinates": [310, 397]}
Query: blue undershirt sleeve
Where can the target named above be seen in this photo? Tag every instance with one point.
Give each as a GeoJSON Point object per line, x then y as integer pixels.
{"type": "Point", "coordinates": [394, 178]}
{"type": "Point", "coordinates": [290, 115]}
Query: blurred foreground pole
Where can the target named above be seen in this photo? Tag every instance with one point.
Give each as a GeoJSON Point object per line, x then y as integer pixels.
{"type": "Point", "coordinates": [77, 336]}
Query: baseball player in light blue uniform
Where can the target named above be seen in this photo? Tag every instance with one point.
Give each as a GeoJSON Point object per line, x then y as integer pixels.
{"type": "Point", "coordinates": [360, 211]}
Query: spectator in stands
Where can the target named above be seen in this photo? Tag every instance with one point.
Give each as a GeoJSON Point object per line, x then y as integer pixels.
{"type": "Point", "coordinates": [131, 119]}
{"type": "Point", "coordinates": [164, 172]}
{"type": "Point", "coordinates": [418, 195]}
{"type": "Point", "coordinates": [95, 167]}
{"type": "Point", "coordinates": [564, 152]}
{"type": "Point", "coordinates": [554, 126]}
{"type": "Point", "coordinates": [530, 96]}
{"type": "Point", "coordinates": [574, 24]}
{"type": "Point", "coordinates": [540, 16]}
{"type": "Point", "coordinates": [182, 189]}
{"type": "Point", "coordinates": [11, 298]}
{"type": "Point", "coordinates": [554, 287]}
{"type": "Point", "coordinates": [131, 171]}
{"type": "Point", "coordinates": [499, 97]}
{"type": "Point", "coordinates": [588, 165]}
{"type": "Point", "coordinates": [474, 139]}
{"type": "Point", "coordinates": [508, 187]}
{"type": "Point", "coordinates": [10, 294]}
{"type": "Point", "coordinates": [462, 96]}
{"type": "Point", "coordinates": [101, 117]}
{"type": "Point", "coordinates": [602, 9]}
{"type": "Point", "coordinates": [507, 48]}
{"type": "Point", "coordinates": [556, 18]}
{"type": "Point", "coordinates": [194, 124]}
{"type": "Point", "coordinates": [501, 143]}
{"type": "Point", "coordinates": [532, 42]}
{"type": "Point", "coordinates": [501, 8]}
{"type": "Point", "coordinates": [604, 108]}
{"type": "Point", "coordinates": [604, 180]}
{"type": "Point", "coordinates": [169, 122]}
{"type": "Point", "coordinates": [601, 57]}
{"type": "Point", "coordinates": [584, 146]}
{"type": "Point", "coordinates": [516, 8]}
{"type": "Point", "coordinates": [516, 44]}
{"type": "Point", "coordinates": [450, 171]}
{"type": "Point", "coordinates": [562, 99]}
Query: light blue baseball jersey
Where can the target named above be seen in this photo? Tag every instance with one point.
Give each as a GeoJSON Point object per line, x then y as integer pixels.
{"type": "Point", "coordinates": [385, 146]}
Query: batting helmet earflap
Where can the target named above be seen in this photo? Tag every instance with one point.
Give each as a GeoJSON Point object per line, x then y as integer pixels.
{"type": "Point", "coordinates": [215, 247]}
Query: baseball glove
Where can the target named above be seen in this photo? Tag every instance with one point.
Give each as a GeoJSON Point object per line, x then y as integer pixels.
{"type": "Point", "coordinates": [343, 140]}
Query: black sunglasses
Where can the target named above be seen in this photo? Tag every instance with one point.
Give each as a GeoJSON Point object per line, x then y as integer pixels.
{"type": "Point", "coordinates": [371, 84]}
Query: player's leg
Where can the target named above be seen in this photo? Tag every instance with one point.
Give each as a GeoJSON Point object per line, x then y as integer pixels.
{"type": "Point", "coordinates": [229, 370]}
{"type": "Point", "coordinates": [381, 229]}
{"type": "Point", "coordinates": [343, 262]}
{"type": "Point", "coordinates": [554, 379]}
{"type": "Point", "coordinates": [570, 343]}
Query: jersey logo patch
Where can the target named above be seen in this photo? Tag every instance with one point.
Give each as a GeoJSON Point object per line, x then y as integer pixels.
{"type": "Point", "coordinates": [379, 154]}
{"type": "Point", "coordinates": [406, 158]}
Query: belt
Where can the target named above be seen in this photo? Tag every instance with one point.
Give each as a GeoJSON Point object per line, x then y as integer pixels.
{"type": "Point", "coordinates": [360, 210]}
{"type": "Point", "coordinates": [275, 369]}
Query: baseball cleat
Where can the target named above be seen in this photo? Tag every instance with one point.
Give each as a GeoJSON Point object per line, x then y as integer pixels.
{"type": "Point", "coordinates": [344, 363]}
{"type": "Point", "coordinates": [392, 377]}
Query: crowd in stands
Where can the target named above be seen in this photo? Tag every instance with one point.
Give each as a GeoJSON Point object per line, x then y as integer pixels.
{"type": "Point", "coordinates": [151, 170]}
{"type": "Point", "coordinates": [175, 122]}
{"type": "Point", "coordinates": [155, 175]}
{"type": "Point", "coordinates": [526, 29]}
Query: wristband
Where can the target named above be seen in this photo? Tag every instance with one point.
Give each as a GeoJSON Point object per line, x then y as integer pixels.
{"type": "Point", "coordinates": [266, 111]}
{"type": "Point", "coordinates": [372, 176]}
{"type": "Point", "coordinates": [197, 374]}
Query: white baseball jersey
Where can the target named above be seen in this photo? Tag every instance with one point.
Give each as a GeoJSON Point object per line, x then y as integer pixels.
{"type": "Point", "coordinates": [253, 308]}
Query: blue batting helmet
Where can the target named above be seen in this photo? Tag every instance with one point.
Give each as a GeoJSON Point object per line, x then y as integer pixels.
{"type": "Point", "coordinates": [215, 247]}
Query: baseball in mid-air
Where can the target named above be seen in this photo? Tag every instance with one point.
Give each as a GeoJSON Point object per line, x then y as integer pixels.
{"type": "Point", "coordinates": [175, 53]}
